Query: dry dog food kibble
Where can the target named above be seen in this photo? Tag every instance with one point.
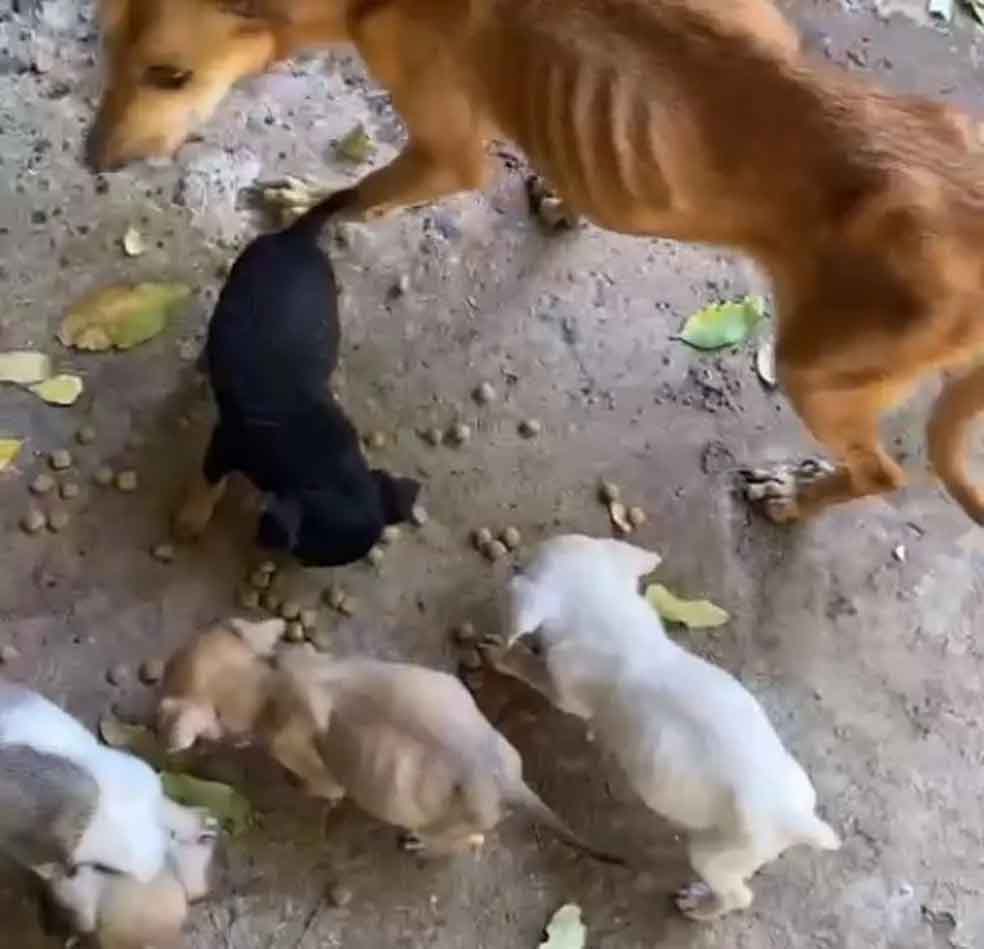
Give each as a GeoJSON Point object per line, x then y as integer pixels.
{"type": "Point", "coordinates": [57, 519]}
{"type": "Point", "coordinates": [32, 520]}
{"type": "Point", "coordinates": [70, 490]}
{"type": "Point", "coordinates": [637, 516]}
{"type": "Point", "coordinates": [460, 433]}
{"type": "Point", "coordinates": [530, 427]}
{"type": "Point", "coordinates": [151, 671]}
{"type": "Point", "coordinates": [482, 537]}
{"type": "Point", "coordinates": [485, 393]}
{"type": "Point", "coordinates": [375, 556]}
{"type": "Point", "coordinates": [290, 609]}
{"type": "Point", "coordinates": [42, 484]}
{"type": "Point", "coordinates": [391, 533]}
{"type": "Point", "coordinates": [60, 460]}
{"type": "Point", "coordinates": [163, 552]}
{"type": "Point", "coordinates": [103, 476]}
{"type": "Point", "coordinates": [86, 435]}
{"type": "Point", "coordinates": [126, 481]}
{"type": "Point", "coordinates": [511, 537]}
{"type": "Point", "coordinates": [495, 550]}
{"type": "Point", "coordinates": [294, 632]}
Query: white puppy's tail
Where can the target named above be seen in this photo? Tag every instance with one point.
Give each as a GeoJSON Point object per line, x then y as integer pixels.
{"type": "Point", "coordinates": [818, 833]}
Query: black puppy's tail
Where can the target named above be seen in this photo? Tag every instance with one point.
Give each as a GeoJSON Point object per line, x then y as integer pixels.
{"type": "Point", "coordinates": [310, 223]}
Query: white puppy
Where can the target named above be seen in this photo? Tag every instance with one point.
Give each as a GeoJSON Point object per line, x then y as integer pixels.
{"type": "Point", "coordinates": [697, 747]}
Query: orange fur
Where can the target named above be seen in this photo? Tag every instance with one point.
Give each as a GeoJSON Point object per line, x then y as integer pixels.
{"type": "Point", "coordinates": [689, 119]}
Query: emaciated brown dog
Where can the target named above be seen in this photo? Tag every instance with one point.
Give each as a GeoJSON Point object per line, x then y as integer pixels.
{"type": "Point", "coordinates": [689, 119]}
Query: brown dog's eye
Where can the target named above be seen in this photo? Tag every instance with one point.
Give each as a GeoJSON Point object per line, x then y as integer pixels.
{"type": "Point", "coordinates": [167, 77]}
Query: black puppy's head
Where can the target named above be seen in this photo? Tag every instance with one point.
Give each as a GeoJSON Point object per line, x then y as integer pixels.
{"type": "Point", "coordinates": [327, 529]}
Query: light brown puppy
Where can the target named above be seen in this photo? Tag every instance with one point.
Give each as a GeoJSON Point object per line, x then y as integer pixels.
{"type": "Point", "coordinates": [689, 119]}
{"type": "Point", "coordinates": [407, 744]}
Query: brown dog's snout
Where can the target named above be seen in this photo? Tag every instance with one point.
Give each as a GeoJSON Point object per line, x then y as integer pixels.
{"type": "Point", "coordinates": [95, 153]}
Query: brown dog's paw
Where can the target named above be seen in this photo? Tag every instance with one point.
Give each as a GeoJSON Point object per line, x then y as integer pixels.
{"type": "Point", "coordinates": [551, 210]}
{"type": "Point", "coordinates": [775, 489]}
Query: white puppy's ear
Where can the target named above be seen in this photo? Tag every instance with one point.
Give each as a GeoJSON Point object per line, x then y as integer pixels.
{"type": "Point", "coordinates": [261, 637]}
{"type": "Point", "coordinates": [527, 609]}
{"type": "Point", "coordinates": [635, 561]}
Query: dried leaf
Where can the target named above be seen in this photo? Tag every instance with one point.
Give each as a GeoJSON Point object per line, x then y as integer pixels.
{"type": "Point", "coordinates": [723, 324]}
{"type": "Point", "coordinates": [59, 390]}
{"type": "Point", "coordinates": [356, 146]}
{"type": "Point", "coordinates": [765, 362]}
{"type": "Point", "coordinates": [9, 450]}
{"type": "Point", "coordinates": [25, 367]}
{"type": "Point", "coordinates": [694, 614]}
{"type": "Point", "coordinates": [133, 243]}
{"type": "Point", "coordinates": [225, 803]}
{"type": "Point", "coordinates": [619, 516]}
{"type": "Point", "coordinates": [137, 739]}
{"type": "Point", "coordinates": [122, 316]}
{"type": "Point", "coordinates": [565, 930]}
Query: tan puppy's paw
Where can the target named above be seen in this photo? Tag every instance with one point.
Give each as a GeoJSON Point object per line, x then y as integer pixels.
{"type": "Point", "coordinates": [775, 489]}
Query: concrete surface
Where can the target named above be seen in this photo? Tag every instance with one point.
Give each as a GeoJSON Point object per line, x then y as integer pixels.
{"type": "Point", "coordinates": [858, 632]}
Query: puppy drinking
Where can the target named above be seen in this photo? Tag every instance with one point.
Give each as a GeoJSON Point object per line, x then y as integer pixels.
{"type": "Point", "coordinates": [407, 744]}
{"type": "Point", "coordinates": [272, 347]}
{"type": "Point", "coordinates": [697, 747]}
{"type": "Point", "coordinates": [94, 824]}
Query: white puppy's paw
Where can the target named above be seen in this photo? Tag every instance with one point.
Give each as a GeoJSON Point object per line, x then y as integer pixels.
{"type": "Point", "coordinates": [698, 901]}
{"type": "Point", "coordinates": [775, 488]}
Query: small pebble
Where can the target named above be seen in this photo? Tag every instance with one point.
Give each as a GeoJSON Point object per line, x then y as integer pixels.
{"type": "Point", "coordinates": [495, 550]}
{"type": "Point", "coordinates": [375, 555]}
{"type": "Point", "coordinates": [163, 552]}
{"type": "Point", "coordinates": [618, 515]}
{"type": "Point", "coordinates": [482, 537]}
{"type": "Point", "coordinates": [391, 534]}
{"type": "Point", "coordinates": [900, 553]}
{"type": "Point", "coordinates": [637, 516]}
{"type": "Point", "coordinates": [32, 521]}
{"type": "Point", "coordinates": [103, 476]}
{"type": "Point", "coordinates": [70, 490]}
{"type": "Point", "coordinates": [609, 491]}
{"type": "Point", "coordinates": [460, 433]}
{"type": "Point", "coordinates": [60, 460]}
{"type": "Point", "coordinates": [117, 675]}
{"type": "Point", "coordinates": [8, 654]}
{"type": "Point", "coordinates": [294, 632]}
{"type": "Point", "coordinates": [126, 481]}
{"type": "Point", "coordinates": [334, 597]}
{"type": "Point", "coordinates": [471, 660]}
{"type": "Point", "coordinates": [419, 515]}
{"type": "Point", "coordinates": [86, 435]}
{"type": "Point", "coordinates": [290, 609]}
{"type": "Point", "coordinates": [271, 601]}
{"type": "Point", "coordinates": [348, 606]}
{"type": "Point", "coordinates": [309, 619]}
{"type": "Point", "coordinates": [464, 634]}
{"type": "Point", "coordinates": [57, 519]}
{"type": "Point", "coordinates": [339, 896]}
{"type": "Point", "coordinates": [484, 394]}
{"type": "Point", "coordinates": [530, 427]}
{"type": "Point", "coordinates": [42, 484]}
{"type": "Point", "coordinates": [435, 436]}
{"type": "Point", "coordinates": [151, 671]}
{"type": "Point", "coordinates": [249, 599]}
{"type": "Point", "coordinates": [260, 579]}
{"type": "Point", "coordinates": [376, 440]}
{"type": "Point", "coordinates": [511, 537]}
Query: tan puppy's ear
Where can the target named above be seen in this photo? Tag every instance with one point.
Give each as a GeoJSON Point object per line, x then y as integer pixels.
{"type": "Point", "coordinates": [180, 723]}
{"type": "Point", "coordinates": [261, 637]}
{"type": "Point", "coordinates": [637, 561]}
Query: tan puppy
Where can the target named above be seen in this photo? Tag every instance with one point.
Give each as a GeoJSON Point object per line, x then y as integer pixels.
{"type": "Point", "coordinates": [408, 744]}
{"type": "Point", "coordinates": [688, 119]}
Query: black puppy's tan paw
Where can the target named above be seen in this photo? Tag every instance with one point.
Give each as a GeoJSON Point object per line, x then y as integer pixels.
{"type": "Point", "coordinates": [775, 489]}
{"type": "Point", "coordinates": [551, 210]}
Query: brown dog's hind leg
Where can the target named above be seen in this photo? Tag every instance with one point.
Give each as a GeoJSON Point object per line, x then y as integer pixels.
{"type": "Point", "coordinates": [846, 423]}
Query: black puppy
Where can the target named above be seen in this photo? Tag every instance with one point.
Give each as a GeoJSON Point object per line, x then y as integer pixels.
{"type": "Point", "coordinates": [272, 347]}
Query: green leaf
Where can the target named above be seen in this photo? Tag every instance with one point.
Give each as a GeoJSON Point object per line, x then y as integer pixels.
{"type": "Point", "coordinates": [122, 316]}
{"type": "Point", "coordinates": [356, 146]}
{"type": "Point", "coordinates": [59, 390]}
{"type": "Point", "coordinates": [25, 367]}
{"type": "Point", "coordinates": [565, 930]}
{"type": "Point", "coordinates": [9, 450]}
{"type": "Point", "coordinates": [694, 614]}
{"type": "Point", "coordinates": [225, 803]}
{"type": "Point", "coordinates": [723, 324]}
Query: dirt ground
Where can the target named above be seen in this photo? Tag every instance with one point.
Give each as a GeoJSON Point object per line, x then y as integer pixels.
{"type": "Point", "coordinates": [857, 632]}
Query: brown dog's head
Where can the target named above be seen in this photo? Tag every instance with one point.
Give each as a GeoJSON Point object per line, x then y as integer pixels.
{"type": "Point", "coordinates": [168, 65]}
{"type": "Point", "coordinates": [213, 687]}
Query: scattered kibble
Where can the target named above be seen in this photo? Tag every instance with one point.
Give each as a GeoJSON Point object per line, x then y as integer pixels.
{"type": "Point", "coordinates": [609, 491]}
{"type": "Point", "coordinates": [271, 601]}
{"type": "Point", "coordinates": [375, 555]}
{"type": "Point", "coordinates": [339, 896]}
{"type": "Point", "coordinates": [32, 521]}
{"type": "Point", "coordinates": [391, 534]}
{"type": "Point", "coordinates": [57, 519]}
{"type": "Point", "coordinates": [151, 671]}
{"type": "Point", "coordinates": [294, 632]}
{"type": "Point", "coordinates": [460, 433]}
{"type": "Point", "coordinates": [126, 481]}
{"type": "Point", "coordinates": [86, 435]}
{"type": "Point", "coordinates": [163, 552]}
{"type": "Point", "coordinates": [103, 476]}
{"type": "Point", "coordinates": [485, 393]}
{"type": "Point", "coordinates": [8, 654]}
{"type": "Point", "coordinates": [290, 609]}
{"type": "Point", "coordinates": [435, 436]}
{"type": "Point", "coordinates": [464, 634]}
{"type": "Point", "coordinates": [376, 440]}
{"type": "Point", "coordinates": [530, 427]}
{"type": "Point", "coordinates": [70, 490]}
{"type": "Point", "coordinates": [511, 537]}
{"type": "Point", "coordinates": [333, 596]}
{"type": "Point", "coordinates": [309, 619]}
{"type": "Point", "coordinates": [42, 484]}
{"type": "Point", "coordinates": [60, 460]}
{"type": "Point", "coordinates": [495, 550]}
{"type": "Point", "coordinates": [482, 537]}
{"type": "Point", "coordinates": [118, 674]}
{"type": "Point", "coordinates": [249, 599]}
{"type": "Point", "coordinates": [637, 516]}
{"type": "Point", "coordinates": [260, 579]}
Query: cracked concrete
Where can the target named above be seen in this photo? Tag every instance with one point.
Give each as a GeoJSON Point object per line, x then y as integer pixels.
{"type": "Point", "coordinates": [868, 661]}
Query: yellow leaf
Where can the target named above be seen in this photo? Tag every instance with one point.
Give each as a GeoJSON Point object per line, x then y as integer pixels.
{"type": "Point", "coordinates": [59, 390]}
{"type": "Point", "coordinates": [122, 316]}
{"type": "Point", "coordinates": [225, 803]}
{"type": "Point", "coordinates": [24, 367]}
{"type": "Point", "coordinates": [356, 146]}
{"type": "Point", "coordinates": [9, 450]}
{"type": "Point", "coordinates": [565, 930]}
{"type": "Point", "coordinates": [694, 614]}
